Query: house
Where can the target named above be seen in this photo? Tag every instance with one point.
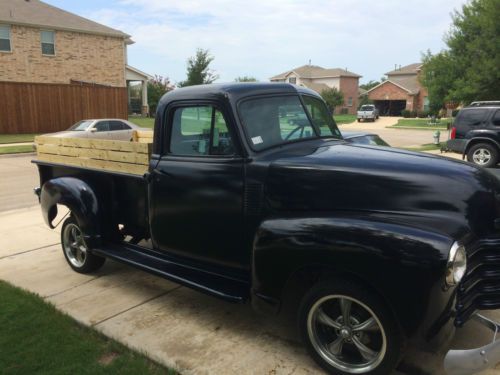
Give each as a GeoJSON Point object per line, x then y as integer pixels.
{"type": "Point", "coordinates": [402, 90]}
{"type": "Point", "coordinates": [53, 59]}
{"type": "Point", "coordinates": [318, 79]}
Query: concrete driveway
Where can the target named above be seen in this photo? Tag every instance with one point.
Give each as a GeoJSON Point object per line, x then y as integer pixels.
{"type": "Point", "coordinates": [395, 137]}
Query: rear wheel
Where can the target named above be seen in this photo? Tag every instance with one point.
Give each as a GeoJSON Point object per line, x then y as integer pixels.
{"type": "Point", "coordinates": [76, 251]}
{"type": "Point", "coordinates": [348, 330]}
{"type": "Point", "coordinates": [483, 154]}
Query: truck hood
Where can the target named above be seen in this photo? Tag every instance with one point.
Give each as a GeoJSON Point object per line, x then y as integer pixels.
{"type": "Point", "coordinates": [453, 195]}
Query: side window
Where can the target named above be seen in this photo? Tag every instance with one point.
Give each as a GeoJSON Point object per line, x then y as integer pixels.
{"type": "Point", "coordinates": [496, 118]}
{"type": "Point", "coordinates": [471, 117]}
{"type": "Point", "coordinates": [102, 126]}
{"type": "Point", "coordinates": [116, 125]}
{"type": "Point", "coordinates": [5, 38]}
{"type": "Point", "coordinates": [200, 131]}
{"type": "Point", "coordinates": [48, 42]}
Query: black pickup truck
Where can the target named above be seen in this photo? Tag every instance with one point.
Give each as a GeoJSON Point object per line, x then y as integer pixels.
{"type": "Point", "coordinates": [253, 195]}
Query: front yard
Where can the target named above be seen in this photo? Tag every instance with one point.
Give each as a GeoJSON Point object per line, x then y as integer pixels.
{"type": "Point", "coordinates": [37, 339]}
{"type": "Point", "coordinates": [421, 124]}
{"type": "Point", "coordinates": [344, 119]}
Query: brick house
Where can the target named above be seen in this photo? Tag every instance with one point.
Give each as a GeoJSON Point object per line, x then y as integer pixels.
{"type": "Point", "coordinates": [44, 45]}
{"type": "Point", "coordinates": [402, 90]}
{"type": "Point", "coordinates": [318, 79]}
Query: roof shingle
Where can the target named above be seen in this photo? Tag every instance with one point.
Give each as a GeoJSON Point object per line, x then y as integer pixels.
{"type": "Point", "coordinates": [314, 71]}
{"type": "Point", "coordinates": [408, 69]}
{"type": "Point", "coordinates": [40, 14]}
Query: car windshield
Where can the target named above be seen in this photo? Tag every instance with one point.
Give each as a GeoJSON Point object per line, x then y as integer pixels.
{"type": "Point", "coordinates": [272, 121]}
{"type": "Point", "coordinates": [81, 125]}
{"type": "Point", "coordinates": [366, 108]}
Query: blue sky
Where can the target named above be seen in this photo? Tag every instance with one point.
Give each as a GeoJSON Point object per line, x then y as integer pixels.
{"type": "Point", "coordinates": [262, 38]}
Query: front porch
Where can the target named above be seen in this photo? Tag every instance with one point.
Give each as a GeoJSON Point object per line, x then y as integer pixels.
{"type": "Point", "coordinates": [137, 96]}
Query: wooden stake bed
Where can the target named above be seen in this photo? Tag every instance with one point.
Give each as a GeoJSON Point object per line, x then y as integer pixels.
{"type": "Point", "coordinates": [111, 155]}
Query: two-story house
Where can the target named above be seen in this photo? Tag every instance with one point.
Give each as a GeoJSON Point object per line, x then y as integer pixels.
{"type": "Point", "coordinates": [318, 79]}
{"type": "Point", "coordinates": [402, 90]}
{"type": "Point", "coordinates": [50, 58]}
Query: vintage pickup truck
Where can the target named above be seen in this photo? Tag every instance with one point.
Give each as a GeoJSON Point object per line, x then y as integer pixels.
{"type": "Point", "coordinates": [249, 193]}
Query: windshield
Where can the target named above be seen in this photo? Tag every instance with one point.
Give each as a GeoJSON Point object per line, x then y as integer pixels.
{"type": "Point", "coordinates": [366, 108]}
{"type": "Point", "coordinates": [81, 125]}
{"type": "Point", "coordinates": [276, 120]}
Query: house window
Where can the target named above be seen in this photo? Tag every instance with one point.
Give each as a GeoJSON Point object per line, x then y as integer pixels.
{"type": "Point", "coordinates": [426, 103]}
{"type": "Point", "coordinates": [5, 38]}
{"type": "Point", "coordinates": [349, 101]}
{"type": "Point", "coordinates": [292, 80]}
{"type": "Point", "coordinates": [48, 42]}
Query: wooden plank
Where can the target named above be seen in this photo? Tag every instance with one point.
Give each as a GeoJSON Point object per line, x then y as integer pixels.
{"type": "Point", "coordinates": [100, 144]}
{"type": "Point", "coordinates": [93, 163]}
{"type": "Point", "coordinates": [126, 157]}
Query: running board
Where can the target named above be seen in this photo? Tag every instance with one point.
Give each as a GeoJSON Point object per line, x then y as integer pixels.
{"type": "Point", "coordinates": [229, 289]}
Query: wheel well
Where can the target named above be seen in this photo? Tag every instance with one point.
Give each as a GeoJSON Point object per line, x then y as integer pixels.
{"type": "Point", "coordinates": [474, 142]}
{"type": "Point", "coordinates": [305, 278]}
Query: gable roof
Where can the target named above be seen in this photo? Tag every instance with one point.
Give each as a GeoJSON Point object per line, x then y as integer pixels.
{"type": "Point", "coordinates": [408, 69]}
{"type": "Point", "coordinates": [39, 14]}
{"type": "Point", "coordinates": [409, 84]}
{"type": "Point", "coordinates": [314, 71]}
{"type": "Point", "coordinates": [318, 87]}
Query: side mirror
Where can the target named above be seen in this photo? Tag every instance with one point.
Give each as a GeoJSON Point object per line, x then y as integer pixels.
{"type": "Point", "coordinates": [93, 130]}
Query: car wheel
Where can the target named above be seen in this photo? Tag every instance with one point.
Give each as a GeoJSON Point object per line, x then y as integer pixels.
{"type": "Point", "coordinates": [348, 330]}
{"type": "Point", "coordinates": [76, 251]}
{"type": "Point", "coordinates": [483, 154]}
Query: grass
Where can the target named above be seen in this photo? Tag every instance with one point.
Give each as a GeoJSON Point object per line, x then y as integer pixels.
{"type": "Point", "coordinates": [16, 138]}
{"type": "Point", "coordinates": [420, 123]}
{"type": "Point", "coordinates": [143, 122]}
{"type": "Point", "coordinates": [344, 119]}
{"type": "Point", "coordinates": [426, 147]}
{"type": "Point", "coordinates": [16, 149]}
{"type": "Point", "coordinates": [37, 339]}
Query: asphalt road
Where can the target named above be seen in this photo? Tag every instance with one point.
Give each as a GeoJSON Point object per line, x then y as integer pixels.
{"type": "Point", "coordinates": [18, 178]}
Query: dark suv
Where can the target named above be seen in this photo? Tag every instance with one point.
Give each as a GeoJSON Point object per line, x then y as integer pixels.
{"type": "Point", "coordinates": [476, 133]}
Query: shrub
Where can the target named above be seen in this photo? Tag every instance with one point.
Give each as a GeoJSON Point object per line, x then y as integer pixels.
{"type": "Point", "coordinates": [413, 114]}
{"type": "Point", "coordinates": [344, 111]}
{"type": "Point", "coordinates": [423, 114]}
{"type": "Point", "coordinates": [405, 113]}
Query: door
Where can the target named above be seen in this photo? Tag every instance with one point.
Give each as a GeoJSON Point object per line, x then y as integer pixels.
{"type": "Point", "coordinates": [120, 131]}
{"type": "Point", "coordinates": [197, 189]}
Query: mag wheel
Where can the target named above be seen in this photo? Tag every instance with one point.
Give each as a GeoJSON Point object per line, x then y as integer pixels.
{"type": "Point", "coordinates": [483, 154]}
{"type": "Point", "coordinates": [348, 330]}
{"type": "Point", "coordinates": [75, 249]}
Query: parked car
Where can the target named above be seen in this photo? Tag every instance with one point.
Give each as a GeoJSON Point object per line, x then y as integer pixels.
{"type": "Point", "coordinates": [100, 128]}
{"type": "Point", "coordinates": [367, 112]}
{"type": "Point", "coordinates": [476, 133]}
{"type": "Point", "coordinates": [363, 138]}
{"type": "Point", "coordinates": [374, 249]}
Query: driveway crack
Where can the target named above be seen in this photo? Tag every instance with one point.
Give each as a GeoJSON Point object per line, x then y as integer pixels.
{"type": "Point", "coordinates": [28, 251]}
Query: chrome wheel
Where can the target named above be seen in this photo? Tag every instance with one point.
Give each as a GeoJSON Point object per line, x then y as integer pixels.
{"type": "Point", "coordinates": [346, 334]}
{"type": "Point", "coordinates": [74, 245]}
{"type": "Point", "coordinates": [481, 156]}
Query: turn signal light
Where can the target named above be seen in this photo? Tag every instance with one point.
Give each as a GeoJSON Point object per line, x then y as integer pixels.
{"type": "Point", "coordinates": [453, 133]}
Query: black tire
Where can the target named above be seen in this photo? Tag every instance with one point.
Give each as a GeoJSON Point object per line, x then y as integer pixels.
{"type": "Point", "coordinates": [359, 120]}
{"type": "Point", "coordinates": [311, 328]}
{"type": "Point", "coordinates": [487, 149]}
{"type": "Point", "coordinates": [86, 262]}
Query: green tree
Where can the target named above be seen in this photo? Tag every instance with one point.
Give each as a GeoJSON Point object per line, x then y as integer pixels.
{"type": "Point", "coordinates": [369, 85]}
{"type": "Point", "coordinates": [157, 87]}
{"type": "Point", "coordinates": [468, 69]}
{"type": "Point", "coordinates": [198, 69]}
{"type": "Point", "coordinates": [246, 79]}
{"type": "Point", "coordinates": [333, 98]}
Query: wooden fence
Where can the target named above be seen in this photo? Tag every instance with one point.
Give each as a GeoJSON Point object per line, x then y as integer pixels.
{"type": "Point", "coordinates": [45, 108]}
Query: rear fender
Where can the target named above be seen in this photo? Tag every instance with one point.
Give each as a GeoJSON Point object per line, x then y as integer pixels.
{"type": "Point", "coordinates": [81, 200]}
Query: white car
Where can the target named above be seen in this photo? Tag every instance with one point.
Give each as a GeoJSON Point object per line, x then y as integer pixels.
{"type": "Point", "coordinates": [110, 128]}
{"type": "Point", "coordinates": [367, 112]}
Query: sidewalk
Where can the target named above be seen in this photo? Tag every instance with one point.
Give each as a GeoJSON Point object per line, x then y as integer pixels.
{"type": "Point", "coordinates": [16, 144]}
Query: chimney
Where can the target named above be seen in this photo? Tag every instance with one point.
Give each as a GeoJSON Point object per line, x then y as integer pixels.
{"type": "Point", "coordinates": [395, 66]}
{"type": "Point", "coordinates": [399, 66]}
{"type": "Point", "coordinates": [309, 62]}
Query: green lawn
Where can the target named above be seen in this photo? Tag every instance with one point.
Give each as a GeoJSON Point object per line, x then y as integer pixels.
{"type": "Point", "coordinates": [16, 149]}
{"type": "Point", "coordinates": [16, 138]}
{"type": "Point", "coordinates": [426, 147]}
{"type": "Point", "coordinates": [143, 122]}
{"type": "Point", "coordinates": [344, 119]}
{"type": "Point", "coordinates": [421, 123]}
{"type": "Point", "coordinates": [37, 339]}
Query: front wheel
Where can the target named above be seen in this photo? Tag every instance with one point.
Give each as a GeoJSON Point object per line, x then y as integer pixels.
{"type": "Point", "coordinates": [348, 330]}
{"type": "Point", "coordinates": [75, 249]}
{"type": "Point", "coordinates": [483, 154]}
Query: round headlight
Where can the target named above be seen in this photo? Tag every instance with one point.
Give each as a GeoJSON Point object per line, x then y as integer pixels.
{"type": "Point", "coordinates": [457, 264]}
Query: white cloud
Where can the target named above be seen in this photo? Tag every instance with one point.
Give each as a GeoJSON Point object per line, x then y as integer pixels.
{"type": "Point", "coordinates": [263, 38]}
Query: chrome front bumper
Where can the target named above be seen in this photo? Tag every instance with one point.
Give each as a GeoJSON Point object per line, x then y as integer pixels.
{"type": "Point", "coordinates": [471, 361]}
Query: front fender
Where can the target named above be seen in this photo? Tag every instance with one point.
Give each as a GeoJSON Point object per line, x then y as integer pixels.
{"type": "Point", "coordinates": [79, 197]}
{"type": "Point", "coordinates": [404, 264]}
